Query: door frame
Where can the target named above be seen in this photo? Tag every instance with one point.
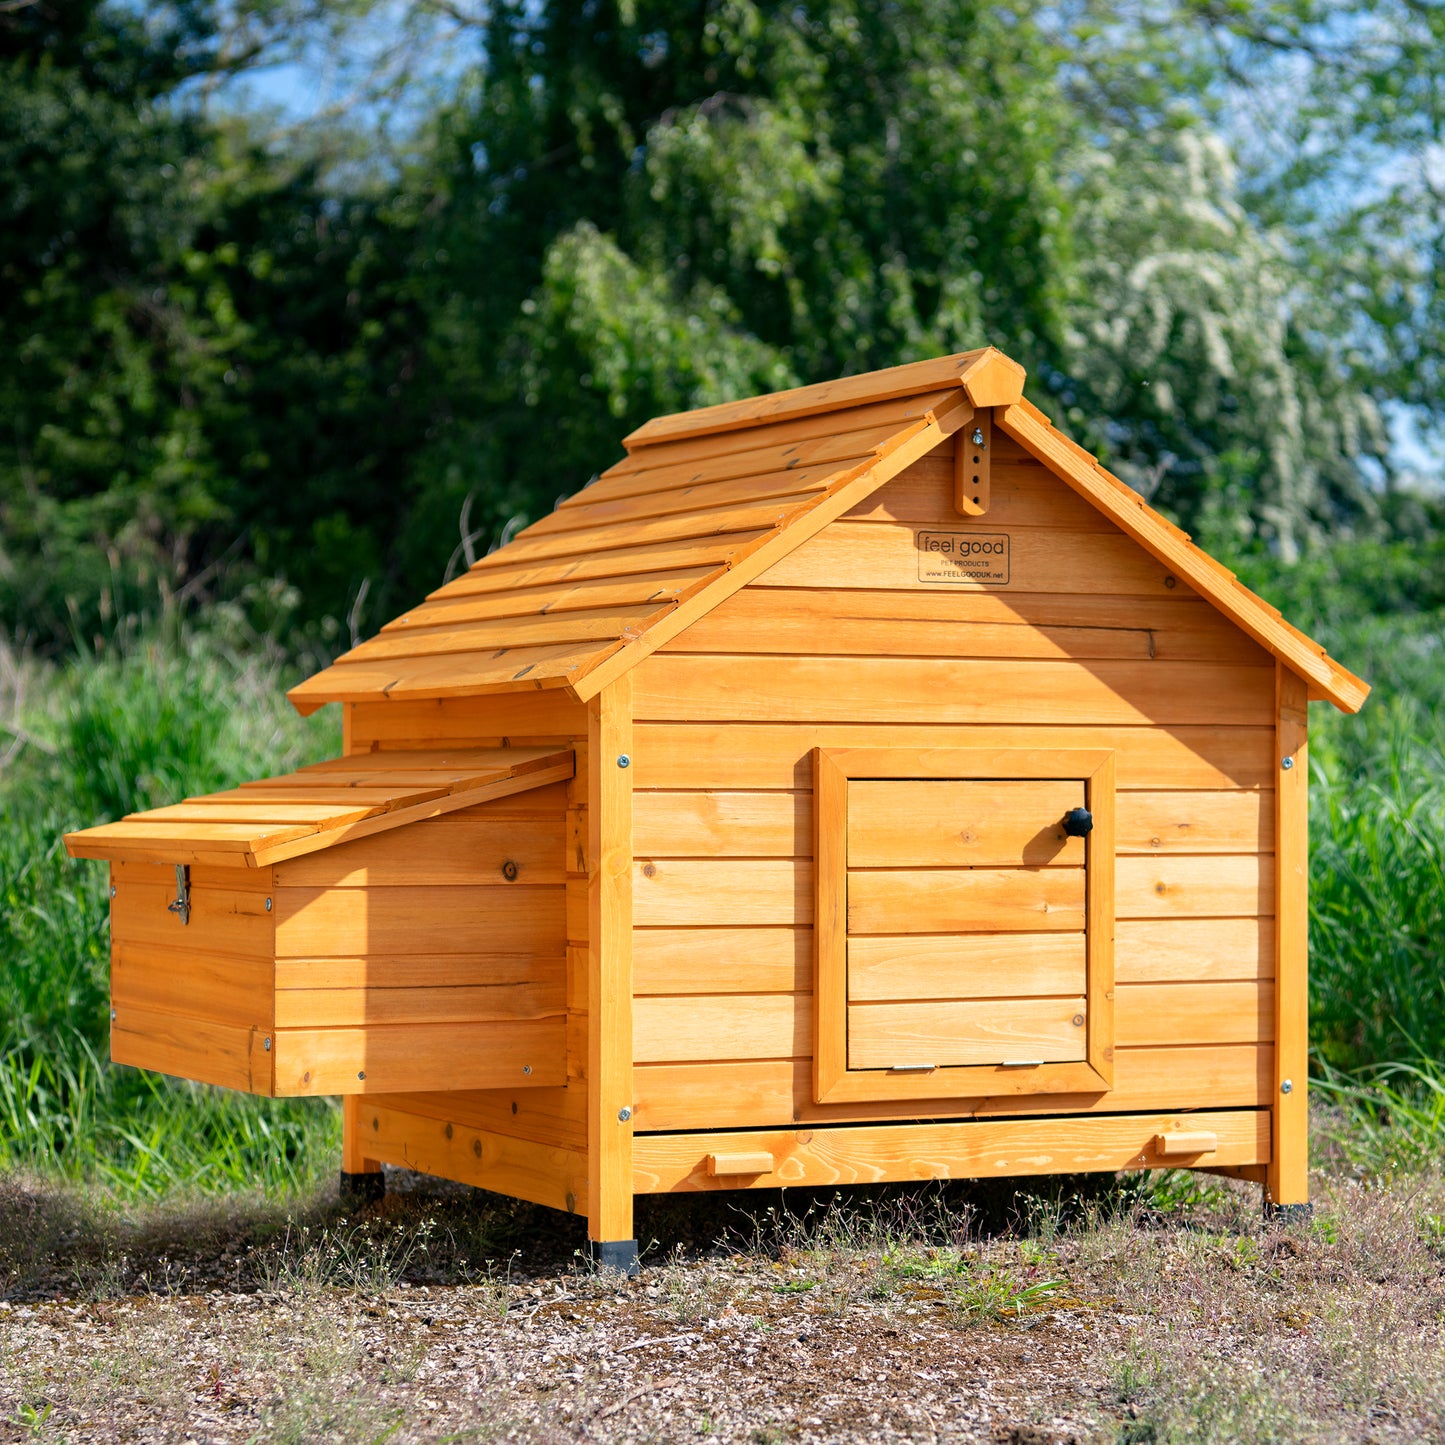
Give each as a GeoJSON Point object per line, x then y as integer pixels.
{"type": "Point", "coordinates": [833, 768]}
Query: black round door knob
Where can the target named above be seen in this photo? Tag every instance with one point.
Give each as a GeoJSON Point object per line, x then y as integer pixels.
{"type": "Point", "coordinates": [1078, 822]}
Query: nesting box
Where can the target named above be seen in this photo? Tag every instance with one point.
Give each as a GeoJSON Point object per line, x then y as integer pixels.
{"type": "Point", "coordinates": [856, 783]}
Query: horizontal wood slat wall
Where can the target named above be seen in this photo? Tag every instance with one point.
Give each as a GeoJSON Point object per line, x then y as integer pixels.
{"type": "Point", "coordinates": [1091, 644]}
{"type": "Point", "coordinates": [550, 850]}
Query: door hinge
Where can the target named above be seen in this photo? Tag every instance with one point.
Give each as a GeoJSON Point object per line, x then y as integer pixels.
{"type": "Point", "coordinates": [181, 907]}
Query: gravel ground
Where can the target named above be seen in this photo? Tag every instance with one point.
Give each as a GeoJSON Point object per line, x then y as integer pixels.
{"type": "Point", "coordinates": [449, 1315]}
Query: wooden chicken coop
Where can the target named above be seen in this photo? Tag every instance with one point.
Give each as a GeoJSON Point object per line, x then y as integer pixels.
{"type": "Point", "coordinates": [856, 783]}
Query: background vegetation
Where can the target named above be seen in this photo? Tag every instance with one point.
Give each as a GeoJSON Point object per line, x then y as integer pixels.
{"type": "Point", "coordinates": [278, 353]}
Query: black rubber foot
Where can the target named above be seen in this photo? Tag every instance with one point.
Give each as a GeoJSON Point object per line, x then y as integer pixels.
{"type": "Point", "coordinates": [615, 1256]}
{"type": "Point", "coordinates": [362, 1188]}
{"type": "Point", "coordinates": [1288, 1213]}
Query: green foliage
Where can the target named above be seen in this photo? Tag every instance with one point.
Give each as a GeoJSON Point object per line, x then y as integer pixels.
{"type": "Point", "coordinates": [303, 356]}
{"type": "Point", "coordinates": [161, 716]}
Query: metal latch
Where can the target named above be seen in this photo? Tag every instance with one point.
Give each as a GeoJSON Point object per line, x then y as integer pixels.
{"type": "Point", "coordinates": [182, 905]}
{"type": "Point", "coordinates": [1021, 1063]}
{"type": "Point", "coordinates": [912, 1068]}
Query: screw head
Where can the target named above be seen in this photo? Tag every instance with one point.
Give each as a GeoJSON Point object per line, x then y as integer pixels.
{"type": "Point", "coordinates": [526, 1068]}
{"type": "Point", "coordinates": [361, 1073]}
{"type": "Point", "coordinates": [1287, 764]}
{"type": "Point", "coordinates": [625, 1113]}
{"type": "Point", "coordinates": [1287, 1087]}
{"type": "Point", "coordinates": [978, 436]}
{"type": "Point", "coordinates": [268, 905]}
{"type": "Point", "coordinates": [112, 890]}
{"type": "Point", "coordinates": [266, 1044]}
{"type": "Point", "coordinates": [112, 1015]}
{"type": "Point", "coordinates": [623, 761]}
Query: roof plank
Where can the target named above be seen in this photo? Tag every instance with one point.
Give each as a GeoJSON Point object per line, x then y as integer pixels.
{"type": "Point", "coordinates": [871, 386]}
{"type": "Point", "coordinates": [297, 812]}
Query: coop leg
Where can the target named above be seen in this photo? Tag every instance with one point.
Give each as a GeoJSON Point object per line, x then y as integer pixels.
{"type": "Point", "coordinates": [1287, 1186]}
{"type": "Point", "coordinates": [362, 1181]}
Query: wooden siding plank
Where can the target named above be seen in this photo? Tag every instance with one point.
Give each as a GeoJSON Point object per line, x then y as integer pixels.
{"type": "Point", "coordinates": [779, 755]}
{"type": "Point", "coordinates": [730, 1026]}
{"type": "Point", "coordinates": [1196, 822]}
{"type": "Point", "coordinates": [387, 724]}
{"type": "Point", "coordinates": [865, 1154]}
{"type": "Point", "coordinates": [714, 824]}
{"type": "Point", "coordinates": [331, 1007]}
{"type": "Point", "coordinates": [718, 960]}
{"type": "Point", "coordinates": [965, 823]}
{"type": "Point", "coordinates": [944, 966]}
{"type": "Point", "coordinates": [392, 1057]}
{"type": "Point", "coordinates": [706, 891]}
{"type": "Point", "coordinates": [323, 921]}
{"type": "Point", "coordinates": [421, 971]}
{"type": "Point", "coordinates": [232, 1056]}
{"type": "Point", "coordinates": [1218, 885]}
{"type": "Point", "coordinates": [913, 690]}
{"type": "Point", "coordinates": [968, 623]}
{"type": "Point", "coordinates": [1040, 559]}
{"type": "Point", "coordinates": [223, 920]}
{"type": "Point", "coordinates": [764, 1093]}
{"type": "Point", "coordinates": [1024, 494]}
{"type": "Point", "coordinates": [1196, 1013]}
{"type": "Point", "coordinates": [971, 900]}
{"type": "Point", "coordinates": [1161, 950]}
{"type": "Point", "coordinates": [965, 1031]}
{"type": "Point", "coordinates": [460, 848]}
{"type": "Point", "coordinates": [189, 978]}
{"type": "Point", "coordinates": [538, 1173]}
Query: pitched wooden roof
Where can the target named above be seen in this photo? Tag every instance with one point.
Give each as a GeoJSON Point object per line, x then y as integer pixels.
{"type": "Point", "coordinates": [317, 807]}
{"type": "Point", "coordinates": [707, 500]}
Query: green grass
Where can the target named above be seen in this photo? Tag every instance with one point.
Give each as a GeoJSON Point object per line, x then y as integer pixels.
{"type": "Point", "coordinates": [147, 721]}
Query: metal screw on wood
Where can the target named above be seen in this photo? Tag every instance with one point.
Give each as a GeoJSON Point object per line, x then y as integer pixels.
{"type": "Point", "coordinates": [112, 890]}
{"type": "Point", "coordinates": [267, 1045]}
{"type": "Point", "coordinates": [112, 1015]}
{"type": "Point", "coordinates": [623, 761]}
{"type": "Point", "coordinates": [1287, 1087]}
{"type": "Point", "coordinates": [1287, 764]}
{"type": "Point", "coordinates": [526, 1068]}
{"type": "Point", "coordinates": [625, 1113]}
{"type": "Point", "coordinates": [268, 905]}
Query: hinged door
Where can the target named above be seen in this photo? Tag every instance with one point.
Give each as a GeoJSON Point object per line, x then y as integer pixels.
{"type": "Point", "coordinates": [964, 922]}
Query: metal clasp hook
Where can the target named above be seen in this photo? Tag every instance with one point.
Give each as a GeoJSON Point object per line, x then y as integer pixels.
{"type": "Point", "coordinates": [182, 905]}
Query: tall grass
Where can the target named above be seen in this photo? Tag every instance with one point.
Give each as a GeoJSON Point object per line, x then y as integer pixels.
{"type": "Point", "coordinates": [150, 719]}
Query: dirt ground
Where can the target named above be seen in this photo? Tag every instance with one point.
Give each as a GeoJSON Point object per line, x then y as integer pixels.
{"type": "Point", "coordinates": [1127, 1313]}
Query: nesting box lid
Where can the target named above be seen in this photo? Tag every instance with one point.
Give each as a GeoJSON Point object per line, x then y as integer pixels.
{"type": "Point", "coordinates": [706, 501]}
{"type": "Point", "coordinates": [272, 819]}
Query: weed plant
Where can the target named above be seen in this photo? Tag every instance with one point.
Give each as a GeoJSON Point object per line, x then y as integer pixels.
{"type": "Point", "coordinates": [154, 716]}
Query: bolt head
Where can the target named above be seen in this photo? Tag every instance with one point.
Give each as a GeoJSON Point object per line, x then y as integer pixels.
{"type": "Point", "coordinates": [1287, 1087]}
{"type": "Point", "coordinates": [625, 1113]}
{"type": "Point", "coordinates": [623, 761]}
{"type": "Point", "coordinates": [1287, 764]}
